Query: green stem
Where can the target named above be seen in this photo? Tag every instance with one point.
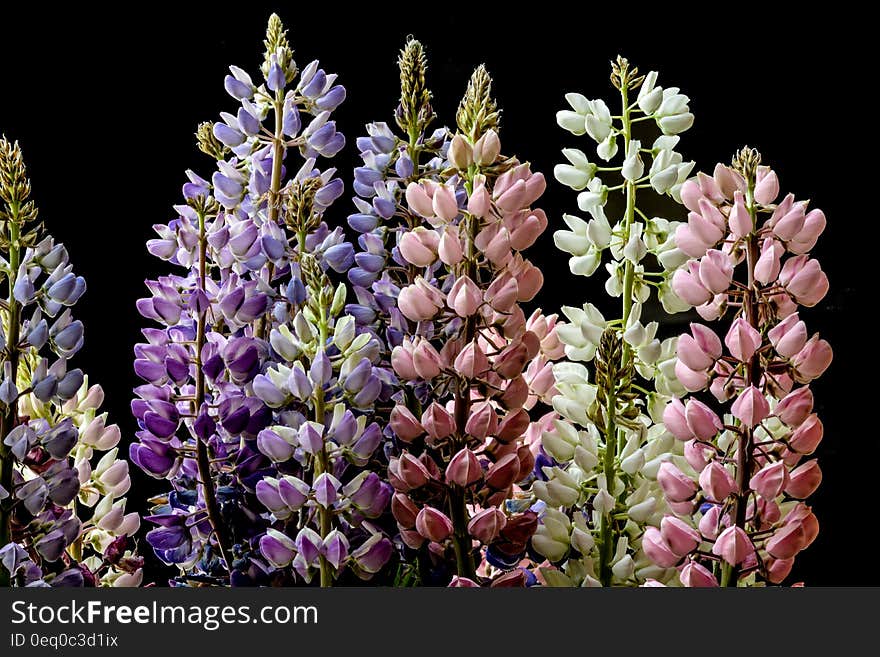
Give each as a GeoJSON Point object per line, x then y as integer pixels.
{"type": "Point", "coordinates": [615, 437]}
{"type": "Point", "coordinates": [203, 458]}
{"type": "Point", "coordinates": [9, 416]}
{"type": "Point", "coordinates": [322, 465]}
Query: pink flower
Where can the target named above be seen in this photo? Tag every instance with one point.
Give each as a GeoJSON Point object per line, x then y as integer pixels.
{"type": "Point", "coordinates": [412, 471]}
{"type": "Point", "coordinates": [689, 242]}
{"type": "Point", "coordinates": [686, 284]}
{"type": "Point", "coordinates": [716, 271]}
{"type": "Point", "coordinates": [750, 407]}
{"type": "Point", "coordinates": [487, 148]}
{"type": "Point", "coordinates": [804, 241]}
{"type": "Point", "coordinates": [768, 265]}
{"type": "Point", "coordinates": [693, 381]}
{"type": "Point", "coordinates": [787, 542]}
{"type": "Point", "coordinates": [693, 575]}
{"type": "Point", "coordinates": [419, 246]}
{"type": "Point", "coordinates": [795, 407]}
{"type": "Point", "coordinates": [675, 421]}
{"type": "Point", "coordinates": [804, 279]}
{"type": "Point", "coordinates": [464, 468]}
{"type": "Point", "coordinates": [710, 522]}
{"type": "Point", "coordinates": [679, 536]}
{"type": "Point", "coordinates": [691, 195]}
{"type": "Point", "coordinates": [478, 202]}
{"type": "Point", "coordinates": [444, 204]}
{"type": "Point", "coordinates": [438, 422]}
{"type": "Point", "coordinates": [433, 524]}
{"type": "Point", "coordinates": [419, 201]}
{"type": "Point", "coordinates": [811, 361]}
{"type": "Point", "coordinates": [426, 361]}
{"type": "Point", "coordinates": [697, 454]}
{"type": "Point", "coordinates": [486, 525]}
{"type": "Point", "coordinates": [742, 340]}
{"type": "Point", "coordinates": [483, 421]}
{"type": "Point", "coordinates": [806, 438]}
{"type": "Point", "coordinates": [676, 485]}
{"type": "Point", "coordinates": [464, 297]}
{"type": "Point", "coordinates": [778, 569]}
{"type": "Point", "coordinates": [502, 292]}
{"type": "Point", "coordinates": [657, 550]}
{"type": "Point", "coordinates": [449, 247]}
{"type": "Point", "coordinates": [702, 420]}
{"type": "Point", "coordinates": [804, 480]}
{"type": "Point", "coordinates": [716, 482]}
{"type": "Point", "coordinates": [789, 336]}
{"type": "Point", "coordinates": [740, 221]}
{"type": "Point", "coordinates": [770, 480]}
{"type": "Point", "coordinates": [420, 301]}
{"type": "Point", "coordinates": [471, 361]}
{"type": "Point", "coordinates": [405, 424]}
{"type": "Point", "coordinates": [700, 350]}
{"type": "Point", "coordinates": [786, 226]}
{"type": "Point", "coordinates": [402, 360]}
{"type": "Point", "coordinates": [733, 545]}
{"type": "Point", "coordinates": [767, 186]}
{"type": "Point", "coordinates": [703, 228]}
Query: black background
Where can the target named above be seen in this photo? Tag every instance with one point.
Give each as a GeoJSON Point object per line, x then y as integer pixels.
{"type": "Point", "coordinates": [105, 104]}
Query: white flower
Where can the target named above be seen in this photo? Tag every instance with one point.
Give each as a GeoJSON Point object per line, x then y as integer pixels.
{"type": "Point", "coordinates": [585, 265]}
{"type": "Point", "coordinates": [608, 148]}
{"type": "Point", "coordinates": [598, 122]}
{"type": "Point", "coordinates": [596, 195]}
{"type": "Point", "coordinates": [650, 96]}
{"type": "Point", "coordinates": [575, 241]}
{"type": "Point", "coordinates": [633, 166]}
{"type": "Point", "coordinates": [599, 230]}
{"type": "Point", "coordinates": [576, 174]}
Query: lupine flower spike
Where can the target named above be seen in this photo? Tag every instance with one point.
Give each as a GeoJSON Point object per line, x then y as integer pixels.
{"type": "Point", "coordinates": [737, 515]}
{"type": "Point", "coordinates": [245, 408]}
{"type": "Point", "coordinates": [598, 460]}
{"type": "Point", "coordinates": [474, 364]}
{"type": "Point", "coordinates": [62, 511]}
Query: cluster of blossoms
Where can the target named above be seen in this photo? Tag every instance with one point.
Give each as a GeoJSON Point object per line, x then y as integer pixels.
{"type": "Point", "coordinates": [62, 515]}
{"type": "Point", "coordinates": [598, 459]}
{"type": "Point", "coordinates": [257, 393]}
{"type": "Point", "coordinates": [737, 515]}
{"type": "Point", "coordinates": [470, 363]}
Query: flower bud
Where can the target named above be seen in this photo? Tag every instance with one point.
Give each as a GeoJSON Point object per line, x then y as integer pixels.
{"type": "Point", "coordinates": [733, 545]}
{"type": "Point", "coordinates": [464, 468]}
{"type": "Point", "coordinates": [433, 524]}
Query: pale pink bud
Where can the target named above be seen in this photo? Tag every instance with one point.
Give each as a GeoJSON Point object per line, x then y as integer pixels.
{"type": "Point", "coordinates": [712, 214]}
{"type": "Point", "coordinates": [768, 265]}
{"type": "Point", "coordinates": [727, 180]}
{"type": "Point", "coordinates": [791, 223]}
{"type": "Point", "coordinates": [504, 471]}
{"type": "Point", "coordinates": [478, 202]}
{"type": "Point", "coordinates": [710, 522]}
{"type": "Point", "coordinates": [487, 148]}
{"type": "Point", "coordinates": [693, 354]}
{"type": "Point", "coordinates": [770, 480]}
{"type": "Point", "coordinates": [433, 524]}
{"type": "Point", "coordinates": [807, 436]}
{"type": "Point", "coordinates": [710, 187]}
{"type": "Point", "coordinates": [449, 248]}
{"type": "Point", "coordinates": [494, 242]}
{"type": "Point", "coordinates": [464, 297]}
{"type": "Point", "coordinates": [686, 284]}
{"type": "Point", "coordinates": [814, 225]}
{"type": "Point", "coordinates": [811, 361]}
{"type": "Point", "coordinates": [679, 536]}
{"type": "Point", "coordinates": [502, 293]}
{"type": "Point", "coordinates": [714, 308]}
{"type": "Point", "coordinates": [787, 542]}
{"type": "Point", "coordinates": [789, 336]}
{"type": "Point", "coordinates": [697, 454]}
{"type": "Point", "coordinates": [742, 340]}
{"type": "Point", "coordinates": [420, 301]}
{"type": "Point", "coordinates": [529, 280]}
{"type": "Point", "coordinates": [716, 482]}
{"type": "Point", "coordinates": [716, 271]}
{"type": "Point", "coordinates": [689, 242]}
{"type": "Point", "coordinates": [513, 426]}
{"type": "Point", "coordinates": [529, 230]}
{"type": "Point", "coordinates": [444, 203]}
{"type": "Point", "coordinates": [804, 279]}
{"type": "Point", "coordinates": [767, 186]}
{"type": "Point", "coordinates": [795, 407]}
{"type": "Point", "coordinates": [510, 362]}
{"type": "Point", "coordinates": [802, 515]}
{"type": "Point", "coordinates": [692, 380]}
{"type": "Point", "coordinates": [483, 421]}
{"type": "Point", "coordinates": [438, 422]}
{"type": "Point", "coordinates": [402, 361]}
{"type": "Point", "coordinates": [676, 485]}
{"type": "Point", "coordinates": [657, 550]}
{"type": "Point", "coordinates": [704, 229]}
{"type": "Point", "coordinates": [691, 195]}
{"type": "Point", "coordinates": [693, 575]}
{"type": "Point", "coordinates": [512, 198]}
{"type": "Point", "coordinates": [750, 407]}
{"type": "Point", "coordinates": [426, 361]}
{"type": "Point", "coordinates": [778, 569]}
{"type": "Point", "coordinates": [405, 424]}
{"type": "Point", "coordinates": [487, 525]}
{"type": "Point", "coordinates": [804, 480]}
{"type": "Point", "coordinates": [418, 200]}
{"type": "Point", "coordinates": [464, 468]}
{"type": "Point", "coordinates": [733, 545]}
{"type": "Point", "coordinates": [471, 361]}
{"type": "Point", "coordinates": [675, 421]}
{"type": "Point", "coordinates": [702, 420]}
{"type": "Point", "coordinates": [740, 221]}
{"type": "Point", "coordinates": [419, 246]}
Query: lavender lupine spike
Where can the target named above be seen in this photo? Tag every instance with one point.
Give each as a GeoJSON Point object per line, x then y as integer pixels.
{"type": "Point", "coordinates": [474, 365]}
{"type": "Point", "coordinates": [599, 459]}
{"type": "Point", "coordinates": [50, 425]}
{"type": "Point", "coordinates": [737, 515]}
